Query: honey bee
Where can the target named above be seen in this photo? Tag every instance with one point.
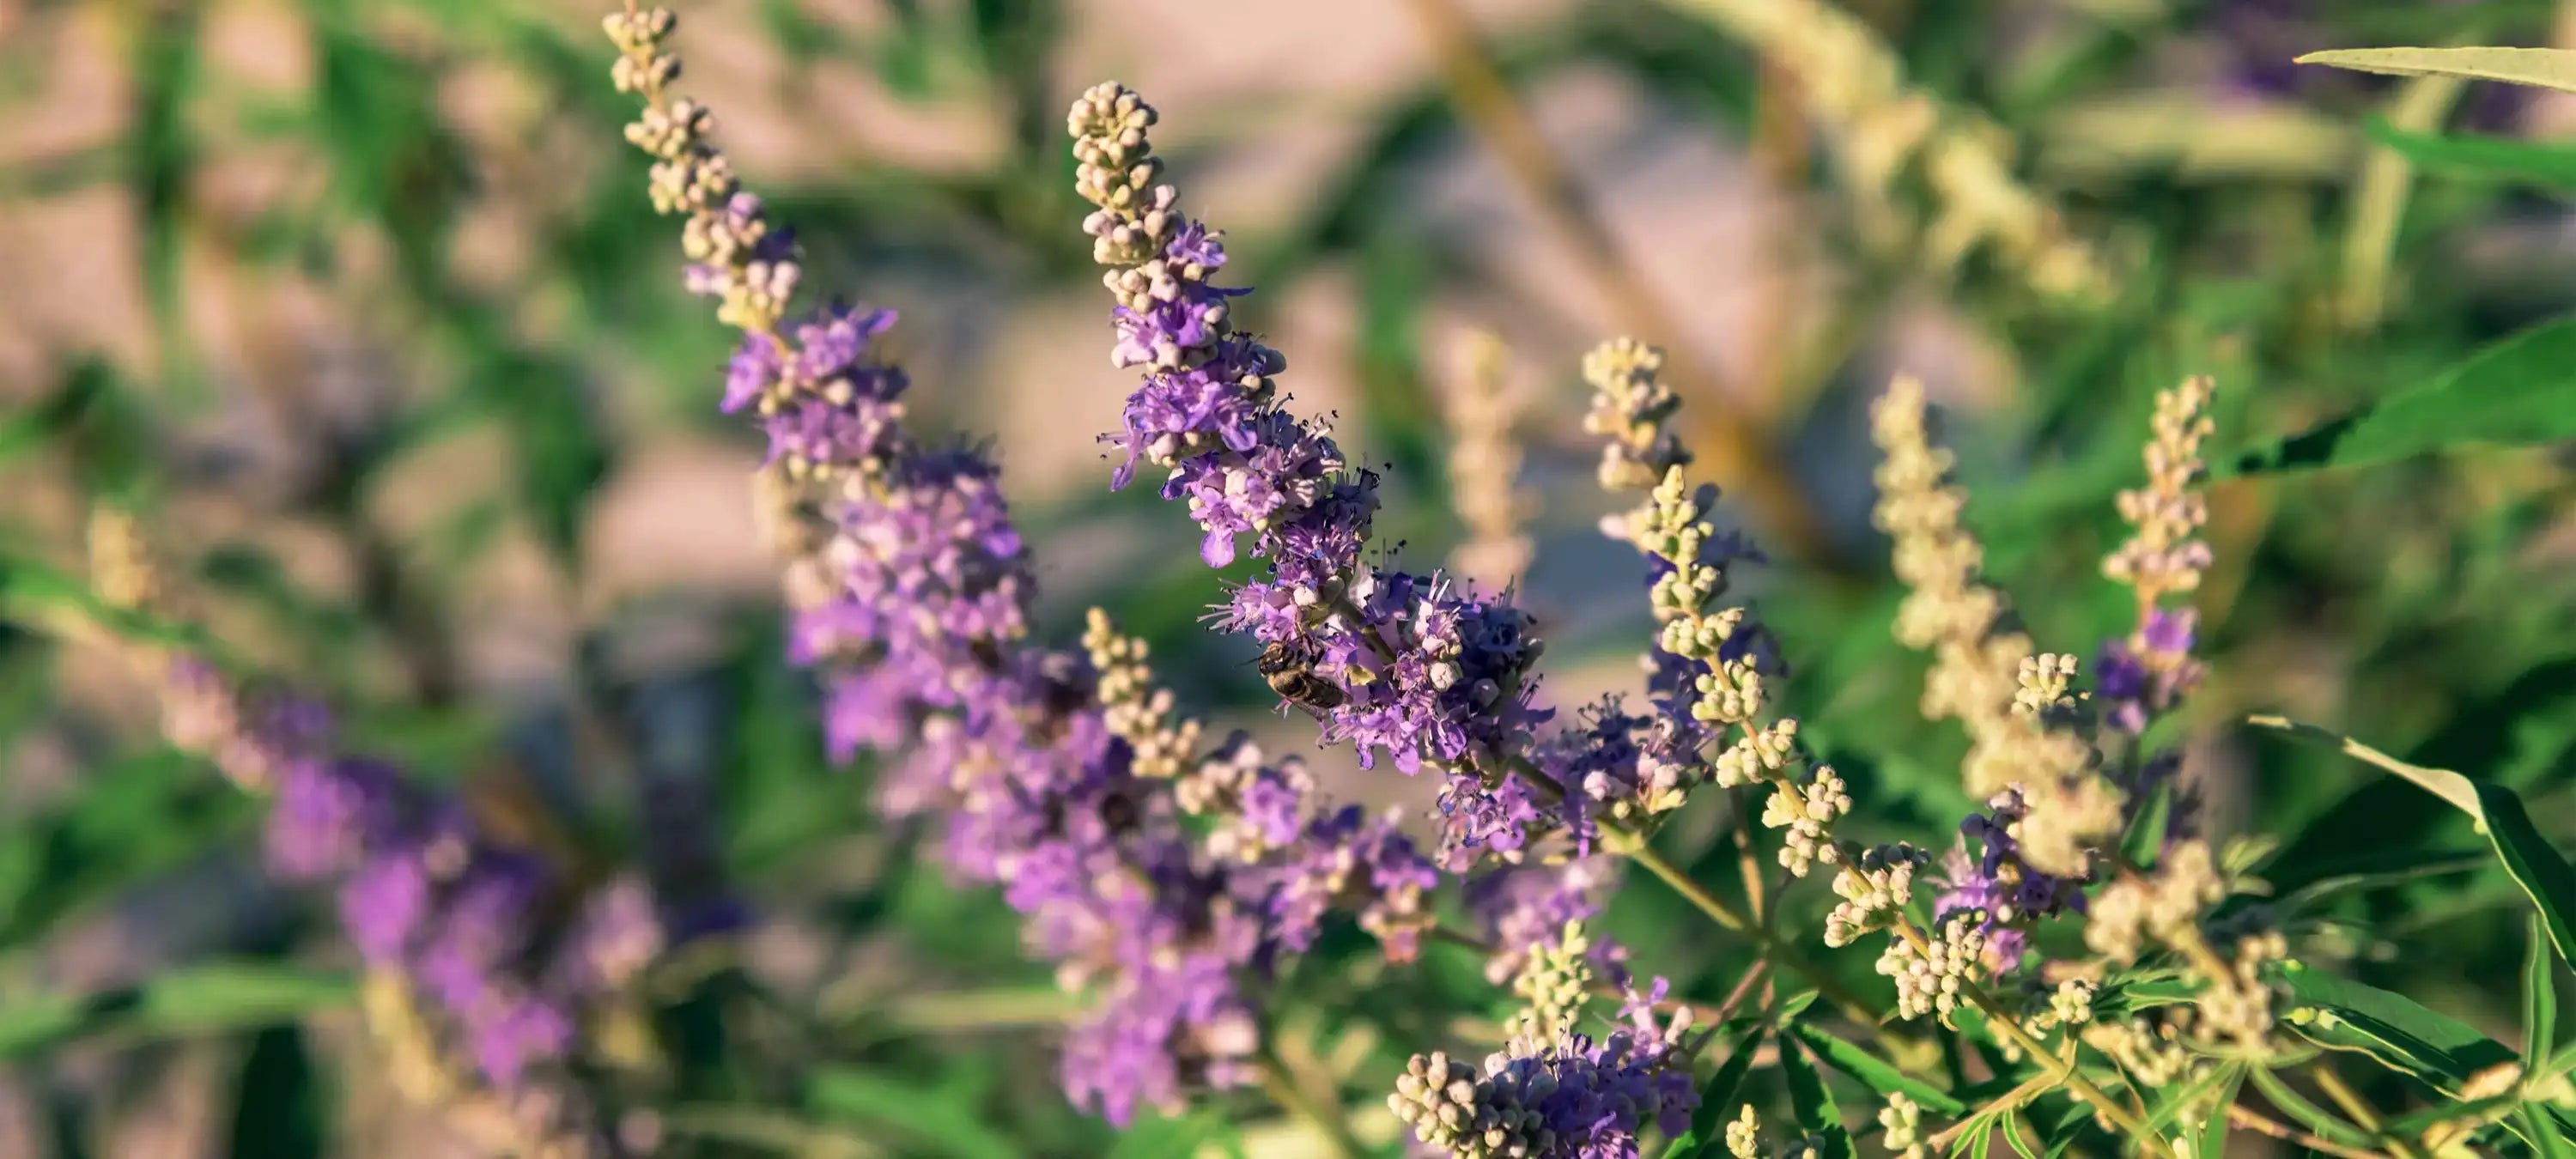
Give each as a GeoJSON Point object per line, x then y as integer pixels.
{"type": "Point", "coordinates": [1291, 673]}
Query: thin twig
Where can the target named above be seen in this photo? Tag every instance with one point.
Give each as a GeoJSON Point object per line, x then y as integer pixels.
{"type": "Point", "coordinates": [1497, 116]}
{"type": "Point", "coordinates": [1772, 948]}
{"type": "Point", "coordinates": [2354, 1106]}
{"type": "Point", "coordinates": [1334, 1124]}
{"type": "Point", "coordinates": [2253, 1120]}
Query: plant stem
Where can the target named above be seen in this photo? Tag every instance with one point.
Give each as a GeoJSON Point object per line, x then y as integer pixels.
{"type": "Point", "coordinates": [767, 1130]}
{"type": "Point", "coordinates": [1497, 116]}
{"type": "Point", "coordinates": [2066, 1074]}
{"type": "Point", "coordinates": [1331, 1122]}
{"type": "Point", "coordinates": [2252, 1120]}
{"type": "Point", "coordinates": [1773, 949]}
{"type": "Point", "coordinates": [2354, 1106]}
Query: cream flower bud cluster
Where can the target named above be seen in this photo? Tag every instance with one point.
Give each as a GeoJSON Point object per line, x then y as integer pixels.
{"type": "Point", "coordinates": [1631, 410]}
{"type": "Point", "coordinates": [1805, 814]}
{"type": "Point", "coordinates": [2165, 905]}
{"type": "Point", "coordinates": [1875, 886]}
{"type": "Point", "coordinates": [1932, 976]}
{"type": "Point", "coordinates": [726, 229]}
{"type": "Point", "coordinates": [1136, 711]}
{"type": "Point", "coordinates": [1744, 1134]}
{"type": "Point", "coordinates": [1484, 462]}
{"type": "Point", "coordinates": [1553, 985]}
{"type": "Point", "coordinates": [2153, 1053]}
{"type": "Point", "coordinates": [2014, 705]}
{"type": "Point", "coordinates": [1902, 1120]}
{"type": "Point", "coordinates": [1744, 1140]}
{"type": "Point", "coordinates": [1947, 611]}
{"type": "Point", "coordinates": [2164, 554]}
{"type": "Point", "coordinates": [1456, 1112]}
{"type": "Point", "coordinates": [1117, 171]}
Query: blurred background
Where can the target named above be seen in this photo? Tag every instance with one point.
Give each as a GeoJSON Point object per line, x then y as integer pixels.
{"type": "Point", "coordinates": [364, 302]}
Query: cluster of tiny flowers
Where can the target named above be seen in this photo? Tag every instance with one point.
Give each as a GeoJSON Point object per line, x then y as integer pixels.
{"type": "Point", "coordinates": [1136, 711]}
{"type": "Point", "coordinates": [1933, 974]}
{"type": "Point", "coordinates": [1902, 1120]}
{"type": "Point", "coordinates": [1997, 881]}
{"type": "Point", "coordinates": [2016, 707]}
{"type": "Point", "coordinates": [1875, 886]}
{"type": "Point", "coordinates": [1052, 776]}
{"type": "Point", "coordinates": [1561, 1095]}
{"type": "Point", "coordinates": [1268, 813]}
{"type": "Point", "coordinates": [1744, 1140]}
{"type": "Point", "coordinates": [433, 907]}
{"type": "Point", "coordinates": [1554, 983]}
{"type": "Point", "coordinates": [2147, 672]}
{"type": "Point", "coordinates": [1517, 908]}
{"type": "Point", "coordinates": [1415, 667]}
{"type": "Point", "coordinates": [1711, 661]}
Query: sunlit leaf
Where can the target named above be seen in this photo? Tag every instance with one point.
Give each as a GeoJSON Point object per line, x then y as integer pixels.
{"type": "Point", "coordinates": [1813, 1103]}
{"type": "Point", "coordinates": [1707, 1134]}
{"type": "Point", "coordinates": [938, 1122]}
{"type": "Point", "coordinates": [213, 998]}
{"type": "Point", "coordinates": [1874, 1072]}
{"type": "Point", "coordinates": [2539, 999]}
{"type": "Point", "coordinates": [2529, 859]}
{"type": "Point", "coordinates": [2542, 67]}
{"type": "Point", "coordinates": [2396, 1030]}
{"type": "Point", "coordinates": [2469, 155]}
{"type": "Point", "coordinates": [2519, 392]}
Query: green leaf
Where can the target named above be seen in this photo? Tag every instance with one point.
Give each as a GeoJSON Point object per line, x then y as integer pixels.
{"type": "Point", "coordinates": [940, 1121]}
{"type": "Point", "coordinates": [1813, 1102]}
{"type": "Point", "coordinates": [213, 998]}
{"type": "Point", "coordinates": [2476, 156]}
{"type": "Point", "coordinates": [1873, 1072]}
{"type": "Point", "coordinates": [2011, 1127]}
{"type": "Point", "coordinates": [2146, 836]}
{"type": "Point", "coordinates": [2210, 1139]}
{"type": "Point", "coordinates": [2539, 1001]}
{"type": "Point", "coordinates": [2289, 1101]}
{"type": "Point", "coordinates": [2342, 1014]}
{"type": "Point", "coordinates": [1155, 1137]}
{"type": "Point", "coordinates": [1707, 1134]}
{"type": "Point", "coordinates": [2537, 1128]}
{"type": "Point", "coordinates": [2518, 392]}
{"type": "Point", "coordinates": [2528, 858]}
{"type": "Point", "coordinates": [2173, 1100]}
{"type": "Point", "coordinates": [2548, 68]}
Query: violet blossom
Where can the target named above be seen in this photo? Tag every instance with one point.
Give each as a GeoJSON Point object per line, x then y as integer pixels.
{"type": "Point", "coordinates": [912, 599]}
{"type": "Point", "coordinates": [1422, 669]}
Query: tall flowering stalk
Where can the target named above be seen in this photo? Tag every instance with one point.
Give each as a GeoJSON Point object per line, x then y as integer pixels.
{"type": "Point", "coordinates": [2043, 847]}
{"type": "Point", "coordinates": [1061, 778]}
{"type": "Point", "coordinates": [1484, 465]}
{"type": "Point", "coordinates": [1414, 667]}
{"type": "Point", "coordinates": [476, 1008]}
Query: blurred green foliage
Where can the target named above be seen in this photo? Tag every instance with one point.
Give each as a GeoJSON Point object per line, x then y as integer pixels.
{"type": "Point", "coordinates": [2397, 542]}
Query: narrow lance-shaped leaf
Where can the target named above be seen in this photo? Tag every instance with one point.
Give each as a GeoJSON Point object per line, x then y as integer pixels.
{"type": "Point", "coordinates": [2209, 1139]}
{"type": "Point", "coordinates": [1707, 1134]}
{"type": "Point", "coordinates": [2539, 999]}
{"type": "Point", "coordinates": [2346, 1015]}
{"type": "Point", "coordinates": [2519, 392]}
{"type": "Point", "coordinates": [939, 1122]}
{"type": "Point", "coordinates": [216, 997]}
{"type": "Point", "coordinates": [2468, 155]}
{"type": "Point", "coordinates": [1873, 1072]}
{"type": "Point", "coordinates": [1813, 1102]}
{"type": "Point", "coordinates": [2528, 858]}
{"type": "Point", "coordinates": [2547, 68]}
